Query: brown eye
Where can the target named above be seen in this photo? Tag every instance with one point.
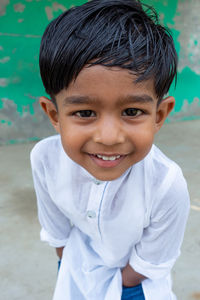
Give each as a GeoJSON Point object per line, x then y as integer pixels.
{"type": "Point", "coordinates": [132, 112]}
{"type": "Point", "coordinates": [84, 113]}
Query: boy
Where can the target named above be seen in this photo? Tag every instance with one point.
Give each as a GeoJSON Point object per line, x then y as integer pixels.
{"type": "Point", "coordinates": [109, 201]}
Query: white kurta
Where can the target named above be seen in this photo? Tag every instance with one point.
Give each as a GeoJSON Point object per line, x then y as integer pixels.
{"type": "Point", "coordinates": [138, 218]}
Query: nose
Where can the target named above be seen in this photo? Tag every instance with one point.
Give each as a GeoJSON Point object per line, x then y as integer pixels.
{"type": "Point", "coordinates": [109, 132]}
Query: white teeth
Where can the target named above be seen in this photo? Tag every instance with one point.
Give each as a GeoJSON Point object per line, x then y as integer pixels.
{"type": "Point", "coordinates": [108, 157]}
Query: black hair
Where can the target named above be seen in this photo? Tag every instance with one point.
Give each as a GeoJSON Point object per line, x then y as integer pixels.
{"type": "Point", "coordinates": [122, 33]}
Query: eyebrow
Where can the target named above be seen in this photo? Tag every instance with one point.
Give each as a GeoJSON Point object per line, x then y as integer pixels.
{"type": "Point", "coordinates": [144, 98]}
{"type": "Point", "coordinates": [77, 100]}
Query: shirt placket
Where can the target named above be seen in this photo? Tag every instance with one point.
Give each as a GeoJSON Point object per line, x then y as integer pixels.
{"type": "Point", "coordinates": [96, 197]}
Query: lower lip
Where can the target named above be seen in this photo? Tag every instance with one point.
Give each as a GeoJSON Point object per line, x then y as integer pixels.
{"type": "Point", "coordinates": [106, 163]}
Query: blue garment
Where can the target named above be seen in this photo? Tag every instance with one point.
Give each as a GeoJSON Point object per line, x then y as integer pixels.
{"type": "Point", "coordinates": [59, 262]}
{"type": "Point", "coordinates": [133, 293]}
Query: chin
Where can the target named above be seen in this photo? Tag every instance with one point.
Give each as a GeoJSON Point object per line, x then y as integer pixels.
{"type": "Point", "coordinates": [107, 177]}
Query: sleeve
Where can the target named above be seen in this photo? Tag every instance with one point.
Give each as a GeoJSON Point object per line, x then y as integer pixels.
{"type": "Point", "coordinates": [55, 225]}
{"type": "Point", "coordinates": [159, 247]}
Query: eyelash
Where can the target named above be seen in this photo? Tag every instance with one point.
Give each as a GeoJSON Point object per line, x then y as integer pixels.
{"type": "Point", "coordinates": [91, 114]}
{"type": "Point", "coordinates": [78, 113]}
{"type": "Point", "coordinates": [137, 112]}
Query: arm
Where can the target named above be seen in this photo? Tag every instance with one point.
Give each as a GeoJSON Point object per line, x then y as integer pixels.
{"type": "Point", "coordinates": [55, 225]}
{"type": "Point", "coordinates": [59, 252]}
{"type": "Point", "coordinates": [130, 277]}
{"type": "Point", "coordinates": [159, 247]}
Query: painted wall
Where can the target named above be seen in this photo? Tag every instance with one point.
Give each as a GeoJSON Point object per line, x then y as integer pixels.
{"type": "Point", "coordinates": [182, 17]}
{"type": "Point", "coordinates": [22, 23]}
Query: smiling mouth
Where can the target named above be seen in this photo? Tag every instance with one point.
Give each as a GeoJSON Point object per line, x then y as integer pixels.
{"type": "Point", "coordinates": [107, 161]}
{"type": "Point", "coordinates": [105, 157]}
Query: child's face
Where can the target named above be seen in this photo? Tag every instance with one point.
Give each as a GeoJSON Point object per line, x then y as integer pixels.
{"type": "Point", "coordinates": [106, 121]}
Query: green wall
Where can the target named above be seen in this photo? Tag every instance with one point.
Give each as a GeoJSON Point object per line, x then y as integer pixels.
{"type": "Point", "coordinates": [21, 26]}
{"type": "Point", "coordinates": [182, 17]}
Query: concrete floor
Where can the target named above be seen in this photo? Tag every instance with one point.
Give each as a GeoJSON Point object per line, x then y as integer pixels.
{"type": "Point", "coordinates": [28, 267]}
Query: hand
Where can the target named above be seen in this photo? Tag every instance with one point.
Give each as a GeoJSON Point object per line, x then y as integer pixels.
{"type": "Point", "coordinates": [59, 252]}
{"type": "Point", "coordinates": [130, 277]}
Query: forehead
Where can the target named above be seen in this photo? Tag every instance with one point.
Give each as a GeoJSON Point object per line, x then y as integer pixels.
{"type": "Point", "coordinates": [100, 82]}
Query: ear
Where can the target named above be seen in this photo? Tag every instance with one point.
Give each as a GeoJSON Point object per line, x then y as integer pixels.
{"type": "Point", "coordinates": [163, 110]}
{"type": "Point", "coordinates": [51, 111]}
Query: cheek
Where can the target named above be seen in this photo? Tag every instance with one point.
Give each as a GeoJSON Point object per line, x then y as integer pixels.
{"type": "Point", "coordinates": [142, 140]}
{"type": "Point", "coordinates": [147, 137]}
{"type": "Point", "coordinates": [143, 135]}
{"type": "Point", "coordinates": [72, 140]}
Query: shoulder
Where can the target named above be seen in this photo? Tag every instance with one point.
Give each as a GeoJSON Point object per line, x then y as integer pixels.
{"type": "Point", "coordinates": [46, 150]}
{"type": "Point", "coordinates": [169, 187]}
{"type": "Point", "coordinates": [159, 158]}
{"type": "Point", "coordinates": [162, 167]}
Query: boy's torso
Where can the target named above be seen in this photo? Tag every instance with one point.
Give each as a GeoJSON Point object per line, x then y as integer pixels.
{"type": "Point", "coordinates": [112, 214]}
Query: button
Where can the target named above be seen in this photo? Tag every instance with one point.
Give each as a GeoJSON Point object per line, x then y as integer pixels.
{"type": "Point", "coordinates": [97, 182]}
{"type": "Point", "coordinates": [91, 214]}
